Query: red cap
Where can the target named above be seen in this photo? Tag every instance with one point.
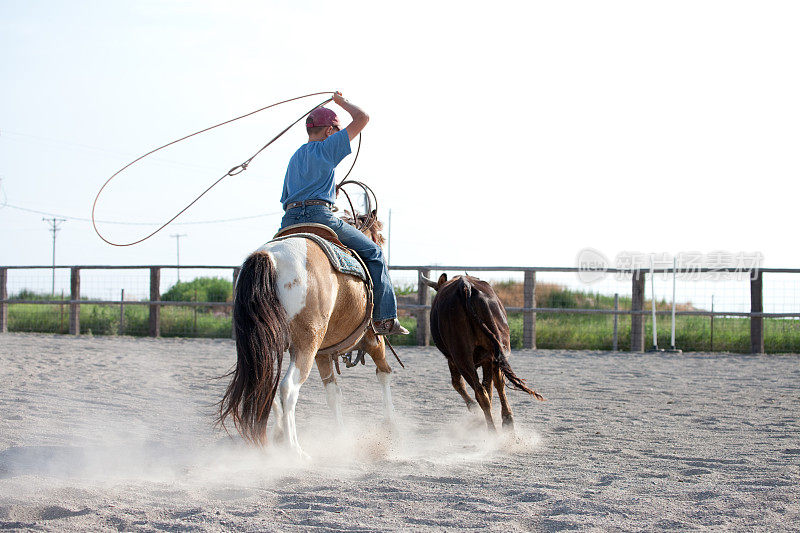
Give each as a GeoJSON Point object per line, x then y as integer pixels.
{"type": "Point", "coordinates": [322, 116]}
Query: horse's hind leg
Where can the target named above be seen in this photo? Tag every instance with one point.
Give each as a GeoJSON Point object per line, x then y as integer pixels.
{"type": "Point", "coordinates": [333, 392]}
{"type": "Point", "coordinates": [296, 375]}
{"type": "Point", "coordinates": [377, 350]}
{"type": "Point", "coordinates": [505, 407]}
{"type": "Point", "coordinates": [278, 432]}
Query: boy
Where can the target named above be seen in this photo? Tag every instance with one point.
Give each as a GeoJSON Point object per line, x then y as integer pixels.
{"type": "Point", "coordinates": [309, 192]}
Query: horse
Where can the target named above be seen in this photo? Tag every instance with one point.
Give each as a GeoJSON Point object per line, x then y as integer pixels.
{"type": "Point", "coordinates": [289, 297]}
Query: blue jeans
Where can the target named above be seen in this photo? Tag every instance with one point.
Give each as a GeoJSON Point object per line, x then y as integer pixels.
{"type": "Point", "coordinates": [371, 253]}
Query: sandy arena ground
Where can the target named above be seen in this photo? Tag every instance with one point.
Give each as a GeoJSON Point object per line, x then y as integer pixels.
{"type": "Point", "coordinates": [115, 433]}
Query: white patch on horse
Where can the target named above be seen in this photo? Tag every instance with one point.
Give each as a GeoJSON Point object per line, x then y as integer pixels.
{"type": "Point", "coordinates": [289, 259]}
{"type": "Point", "coordinates": [290, 390]}
{"type": "Point", "coordinates": [334, 396]}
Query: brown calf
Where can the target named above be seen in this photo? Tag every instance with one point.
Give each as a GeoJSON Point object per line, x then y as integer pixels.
{"type": "Point", "coordinates": [469, 326]}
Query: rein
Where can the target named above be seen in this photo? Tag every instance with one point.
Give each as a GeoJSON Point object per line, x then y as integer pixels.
{"type": "Point", "coordinates": [238, 169]}
{"type": "Point", "coordinates": [392, 349]}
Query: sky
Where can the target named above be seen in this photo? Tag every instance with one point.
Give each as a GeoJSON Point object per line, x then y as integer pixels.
{"type": "Point", "coordinates": [503, 133]}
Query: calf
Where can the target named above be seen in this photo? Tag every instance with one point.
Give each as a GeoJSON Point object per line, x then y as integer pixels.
{"type": "Point", "coordinates": [469, 326]}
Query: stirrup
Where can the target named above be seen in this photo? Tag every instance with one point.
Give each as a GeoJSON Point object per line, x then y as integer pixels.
{"type": "Point", "coordinates": [348, 360]}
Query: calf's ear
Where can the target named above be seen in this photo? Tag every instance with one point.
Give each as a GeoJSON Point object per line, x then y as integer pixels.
{"type": "Point", "coordinates": [442, 280]}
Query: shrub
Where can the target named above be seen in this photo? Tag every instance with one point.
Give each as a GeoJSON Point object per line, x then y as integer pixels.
{"type": "Point", "coordinates": [207, 290]}
{"type": "Point", "coordinates": [26, 294]}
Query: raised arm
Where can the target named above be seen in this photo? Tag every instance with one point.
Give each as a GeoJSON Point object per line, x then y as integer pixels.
{"type": "Point", "coordinates": [360, 118]}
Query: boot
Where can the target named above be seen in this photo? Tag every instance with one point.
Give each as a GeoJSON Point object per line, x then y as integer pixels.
{"type": "Point", "coordinates": [390, 326]}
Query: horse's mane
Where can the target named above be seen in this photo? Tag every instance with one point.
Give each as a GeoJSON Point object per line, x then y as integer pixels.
{"type": "Point", "coordinates": [370, 222]}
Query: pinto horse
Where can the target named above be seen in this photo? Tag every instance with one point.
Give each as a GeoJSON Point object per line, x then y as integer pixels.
{"type": "Point", "coordinates": [289, 297]}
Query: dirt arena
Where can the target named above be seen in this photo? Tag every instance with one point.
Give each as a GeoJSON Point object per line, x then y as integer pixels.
{"type": "Point", "coordinates": [116, 433]}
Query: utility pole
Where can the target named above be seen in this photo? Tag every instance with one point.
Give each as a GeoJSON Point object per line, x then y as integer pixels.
{"type": "Point", "coordinates": [55, 224]}
{"type": "Point", "coordinates": [389, 257]}
{"type": "Point", "coordinates": [177, 237]}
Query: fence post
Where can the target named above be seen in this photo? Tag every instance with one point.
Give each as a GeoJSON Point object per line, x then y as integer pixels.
{"type": "Point", "coordinates": [155, 296]}
{"type": "Point", "coordinates": [637, 319]}
{"type": "Point", "coordinates": [615, 338]}
{"type": "Point", "coordinates": [236, 272]}
{"type": "Point", "coordinates": [61, 313]}
{"type": "Point", "coordinates": [3, 296]}
{"type": "Point", "coordinates": [529, 317]}
{"type": "Point", "coordinates": [423, 315]}
{"type": "Point", "coordinates": [74, 296]}
{"type": "Point", "coordinates": [122, 312]}
{"type": "Point", "coordinates": [756, 306]}
{"type": "Point", "coordinates": [712, 322]}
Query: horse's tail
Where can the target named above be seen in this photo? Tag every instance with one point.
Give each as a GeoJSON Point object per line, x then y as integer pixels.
{"type": "Point", "coordinates": [485, 313]}
{"type": "Point", "coordinates": [262, 335]}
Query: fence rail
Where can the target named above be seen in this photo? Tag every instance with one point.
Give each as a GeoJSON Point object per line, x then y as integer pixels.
{"type": "Point", "coordinates": [421, 308]}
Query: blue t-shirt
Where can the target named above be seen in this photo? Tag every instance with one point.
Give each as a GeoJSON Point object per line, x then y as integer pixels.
{"type": "Point", "coordinates": [309, 175]}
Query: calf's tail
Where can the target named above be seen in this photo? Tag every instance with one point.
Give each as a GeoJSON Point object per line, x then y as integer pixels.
{"type": "Point", "coordinates": [515, 381]}
{"type": "Point", "coordinates": [480, 311]}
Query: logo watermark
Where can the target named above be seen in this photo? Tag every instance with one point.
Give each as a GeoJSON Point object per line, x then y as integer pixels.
{"type": "Point", "coordinates": [593, 265]}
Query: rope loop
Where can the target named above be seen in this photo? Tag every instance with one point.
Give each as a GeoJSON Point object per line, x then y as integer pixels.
{"type": "Point", "coordinates": [371, 201]}
{"type": "Point", "coordinates": [232, 172]}
{"type": "Point", "coordinates": [238, 169]}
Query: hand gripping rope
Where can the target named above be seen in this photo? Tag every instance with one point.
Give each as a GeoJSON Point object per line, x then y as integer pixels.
{"type": "Point", "coordinates": [238, 169]}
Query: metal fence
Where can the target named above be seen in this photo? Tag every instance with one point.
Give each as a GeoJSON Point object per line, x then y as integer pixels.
{"type": "Point", "coordinates": [755, 312]}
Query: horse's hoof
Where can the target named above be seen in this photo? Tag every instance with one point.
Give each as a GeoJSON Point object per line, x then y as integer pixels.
{"type": "Point", "coordinates": [298, 452]}
{"type": "Point", "coordinates": [277, 436]}
{"type": "Point", "coordinates": [390, 423]}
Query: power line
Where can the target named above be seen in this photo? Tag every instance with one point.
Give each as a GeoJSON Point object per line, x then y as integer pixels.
{"type": "Point", "coordinates": [177, 237]}
{"type": "Point", "coordinates": [6, 133]}
{"type": "Point", "coordinates": [80, 219]}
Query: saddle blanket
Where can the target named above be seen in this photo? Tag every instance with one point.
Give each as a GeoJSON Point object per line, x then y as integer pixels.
{"type": "Point", "coordinates": [342, 259]}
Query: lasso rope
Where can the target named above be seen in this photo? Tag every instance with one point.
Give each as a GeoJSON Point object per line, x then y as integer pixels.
{"type": "Point", "coordinates": [369, 196]}
{"type": "Point", "coordinates": [232, 172]}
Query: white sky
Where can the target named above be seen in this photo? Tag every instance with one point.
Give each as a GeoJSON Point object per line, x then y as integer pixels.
{"type": "Point", "coordinates": [501, 133]}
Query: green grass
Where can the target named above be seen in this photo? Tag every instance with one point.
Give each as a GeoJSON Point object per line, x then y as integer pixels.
{"type": "Point", "coordinates": [692, 333]}
{"type": "Point", "coordinates": [405, 290]}
{"type": "Point", "coordinates": [98, 319]}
